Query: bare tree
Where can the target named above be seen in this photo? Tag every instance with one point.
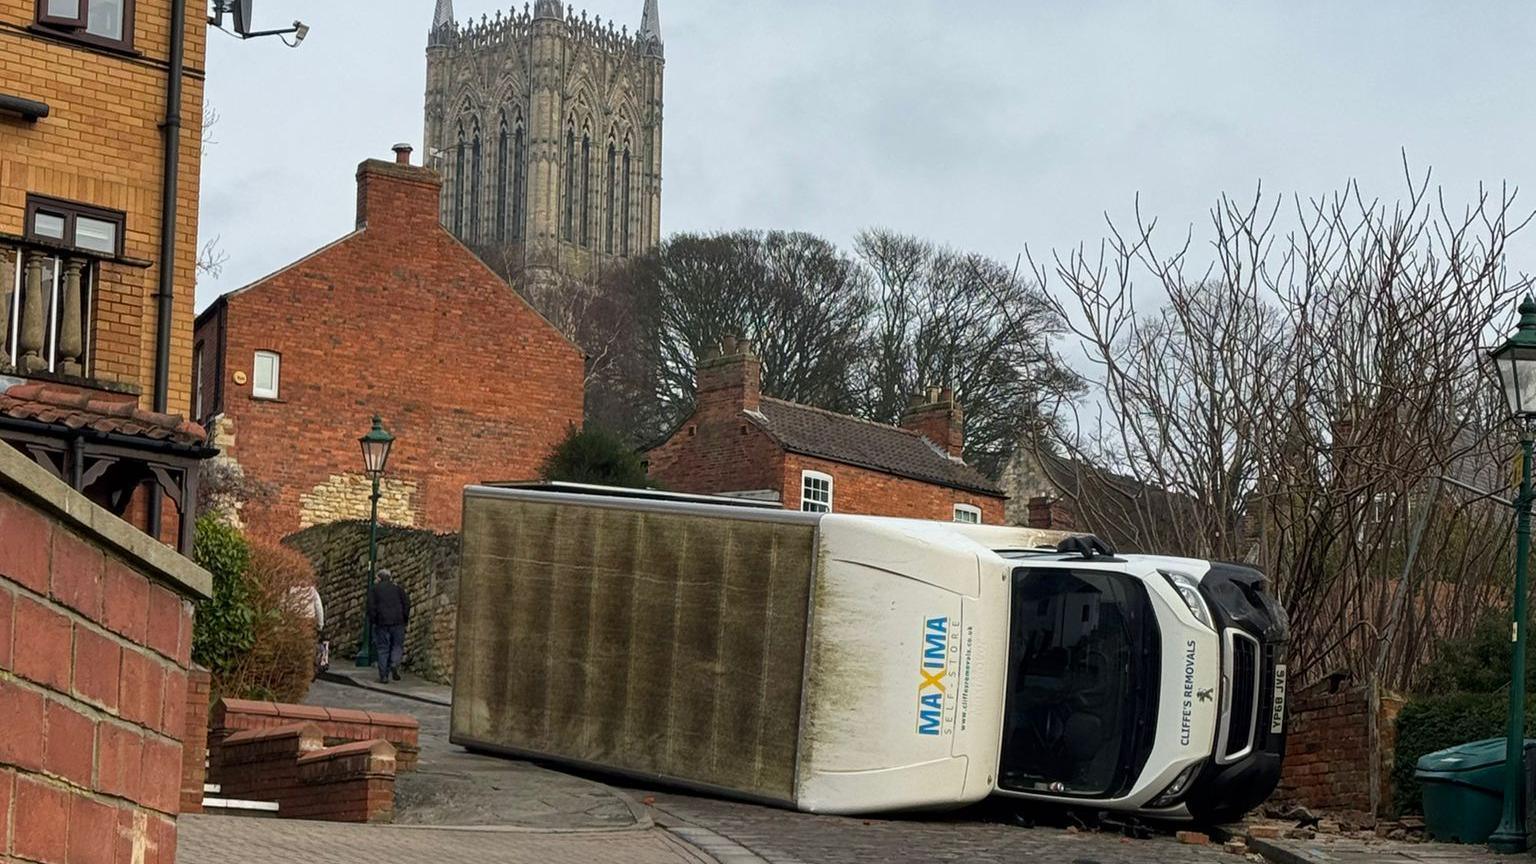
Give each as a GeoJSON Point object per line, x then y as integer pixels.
{"type": "Point", "coordinates": [1311, 400]}
{"type": "Point", "coordinates": [963, 321]}
{"type": "Point", "coordinates": [804, 303]}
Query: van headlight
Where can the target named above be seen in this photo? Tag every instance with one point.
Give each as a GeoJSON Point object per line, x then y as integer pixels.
{"type": "Point", "coordinates": [1189, 589]}
{"type": "Point", "coordinates": [1175, 790]}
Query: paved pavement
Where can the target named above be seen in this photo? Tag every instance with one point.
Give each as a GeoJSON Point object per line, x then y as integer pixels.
{"type": "Point", "coordinates": [454, 787]}
{"type": "Point", "coordinates": [783, 837]}
{"type": "Point", "coordinates": [513, 811]}
{"type": "Point", "coordinates": [237, 840]}
{"type": "Point", "coordinates": [1344, 850]}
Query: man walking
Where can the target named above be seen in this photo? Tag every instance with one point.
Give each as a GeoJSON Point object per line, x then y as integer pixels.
{"type": "Point", "coordinates": [389, 610]}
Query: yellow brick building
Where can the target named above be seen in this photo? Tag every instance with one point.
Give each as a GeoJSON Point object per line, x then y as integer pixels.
{"type": "Point", "coordinates": [99, 151]}
{"type": "Point", "coordinates": [84, 86]}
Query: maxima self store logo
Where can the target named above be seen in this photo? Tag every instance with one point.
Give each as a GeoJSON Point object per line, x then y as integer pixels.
{"type": "Point", "coordinates": [934, 665]}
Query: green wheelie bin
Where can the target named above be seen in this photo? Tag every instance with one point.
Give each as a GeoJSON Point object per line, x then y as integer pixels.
{"type": "Point", "coordinates": [1464, 789]}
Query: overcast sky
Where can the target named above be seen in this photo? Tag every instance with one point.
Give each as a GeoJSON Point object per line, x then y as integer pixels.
{"type": "Point", "coordinates": [986, 125]}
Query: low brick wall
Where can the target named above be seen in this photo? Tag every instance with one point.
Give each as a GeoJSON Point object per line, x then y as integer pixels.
{"type": "Point", "coordinates": [336, 725]}
{"type": "Point", "coordinates": [95, 638]}
{"type": "Point", "coordinates": [1328, 746]}
{"type": "Point", "coordinates": [292, 766]}
{"type": "Point", "coordinates": [194, 746]}
{"type": "Point", "coordinates": [424, 563]}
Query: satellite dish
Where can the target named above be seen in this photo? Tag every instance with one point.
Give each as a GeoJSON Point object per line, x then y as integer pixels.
{"type": "Point", "coordinates": [243, 18]}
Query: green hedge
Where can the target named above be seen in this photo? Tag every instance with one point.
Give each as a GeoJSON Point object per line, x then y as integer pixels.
{"type": "Point", "coordinates": [224, 627]}
{"type": "Point", "coordinates": [1430, 723]}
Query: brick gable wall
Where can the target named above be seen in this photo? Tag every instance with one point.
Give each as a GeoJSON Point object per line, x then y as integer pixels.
{"type": "Point", "coordinates": [398, 319]}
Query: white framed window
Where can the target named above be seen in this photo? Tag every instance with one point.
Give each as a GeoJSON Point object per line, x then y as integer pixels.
{"type": "Point", "coordinates": [265, 374]}
{"type": "Point", "coordinates": [815, 492]}
{"type": "Point", "coordinates": [968, 513]}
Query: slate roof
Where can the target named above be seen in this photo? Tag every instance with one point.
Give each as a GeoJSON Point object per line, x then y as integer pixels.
{"type": "Point", "coordinates": [82, 409]}
{"type": "Point", "coordinates": [840, 438]}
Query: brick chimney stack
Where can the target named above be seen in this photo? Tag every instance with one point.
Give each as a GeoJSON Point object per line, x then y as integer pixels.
{"type": "Point", "coordinates": [397, 192]}
{"type": "Point", "coordinates": [730, 376]}
{"type": "Point", "coordinates": [937, 417]}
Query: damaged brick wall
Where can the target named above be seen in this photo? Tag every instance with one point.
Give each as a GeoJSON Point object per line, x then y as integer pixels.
{"type": "Point", "coordinates": [1330, 727]}
{"type": "Point", "coordinates": [426, 564]}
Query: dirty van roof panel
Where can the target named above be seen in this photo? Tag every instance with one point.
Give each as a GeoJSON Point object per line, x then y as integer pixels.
{"type": "Point", "coordinates": [628, 492]}
{"type": "Point", "coordinates": [645, 637]}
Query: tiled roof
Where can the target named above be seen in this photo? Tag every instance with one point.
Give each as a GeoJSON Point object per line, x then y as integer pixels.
{"type": "Point", "coordinates": [76, 408]}
{"type": "Point", "coordinates": [840, 438]}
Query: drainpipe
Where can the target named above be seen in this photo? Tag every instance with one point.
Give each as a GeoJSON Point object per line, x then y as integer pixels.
{"type": "Point", "coordinates": [171, 173]}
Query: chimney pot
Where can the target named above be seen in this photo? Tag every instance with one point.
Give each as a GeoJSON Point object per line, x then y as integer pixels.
{"type": "Point", "coordinates": [728, 345]}
{"type": "Point", "coordinates": [402, 154]}
{"type": "Point", "coordinates": [933, 395]}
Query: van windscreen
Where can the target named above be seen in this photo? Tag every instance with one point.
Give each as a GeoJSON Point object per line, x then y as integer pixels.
{"type": "Point", "coordinates": [1083, 663]}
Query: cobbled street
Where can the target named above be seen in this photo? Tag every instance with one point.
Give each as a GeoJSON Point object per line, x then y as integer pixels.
{"type": "Point", "coordinates": [595, 826]}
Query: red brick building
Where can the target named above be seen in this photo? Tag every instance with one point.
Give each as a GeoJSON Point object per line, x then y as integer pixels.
{"type": "Point", "coordinates": [399, 319]}
{"type": "Point", "coordinates": [740, 442]}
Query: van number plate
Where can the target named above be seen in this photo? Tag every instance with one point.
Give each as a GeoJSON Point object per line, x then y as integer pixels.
{"type": "Point", "coordinates": [1277, 713]}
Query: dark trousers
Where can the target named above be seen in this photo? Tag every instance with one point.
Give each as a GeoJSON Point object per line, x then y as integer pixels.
{"type": "Point", "coordinates": [388, 647]}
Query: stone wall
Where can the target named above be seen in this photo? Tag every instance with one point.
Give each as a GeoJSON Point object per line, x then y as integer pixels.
{"type": "Point", "coordinates": [424, 563]}
{"type": "Point", "coordinates": [1331, 727]}
{"type": "Point", "coordinates": [349, 496]}
{"type": "Point", "coordinates": [95, 645]}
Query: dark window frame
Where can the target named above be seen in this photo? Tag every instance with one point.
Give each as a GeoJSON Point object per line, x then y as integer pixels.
{"type": "Point", "coordinates": [70, 212]}
{"type": "Point", "coordinates": [75, 28]}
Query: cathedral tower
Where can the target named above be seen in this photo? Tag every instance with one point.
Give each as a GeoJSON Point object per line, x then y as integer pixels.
{"type": "Point", "coordinates": [546, 128]}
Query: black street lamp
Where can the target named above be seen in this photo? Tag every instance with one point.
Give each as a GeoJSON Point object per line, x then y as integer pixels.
{"type": "Point", "coordinates": [1515, 361]}
{"type": "Point", "coordinates": [375, 446]}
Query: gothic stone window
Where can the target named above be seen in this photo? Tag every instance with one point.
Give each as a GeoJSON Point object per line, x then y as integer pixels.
{"type": "Point", "coordinates": [567, 227]}
{"type": "Point", "coordinates": [458, 185]}
{"type": "Point", "coordinates": [586, 188]}
{"type": "Point", "coordinates": [501, 180]}
{"type": "Point", "coordinates": [628, 214]}
{"type": "Point", "coordinates": [612, 194]}
{"type": "Point", "coordinates": [476, 178]}
{"type": "Point", "coordinates": [519, 182]}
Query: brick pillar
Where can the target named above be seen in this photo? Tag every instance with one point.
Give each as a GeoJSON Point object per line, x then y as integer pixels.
{"type": "Point", "coordinates": [194, 744]}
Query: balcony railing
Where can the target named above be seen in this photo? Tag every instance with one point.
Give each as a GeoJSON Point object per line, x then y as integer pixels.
{"type": "Point", "coordinates": [45, 311]}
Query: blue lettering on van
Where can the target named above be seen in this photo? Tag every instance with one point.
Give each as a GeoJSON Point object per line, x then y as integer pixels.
{"type": "Point", "coordinates": [932, 669]}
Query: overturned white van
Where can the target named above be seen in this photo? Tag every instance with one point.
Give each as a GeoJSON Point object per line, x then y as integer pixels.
{"type": "Point", "coordinates": [853, 664]}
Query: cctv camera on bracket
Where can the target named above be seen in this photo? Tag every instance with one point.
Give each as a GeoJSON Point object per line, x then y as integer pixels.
{"type": "Point", "coordinates": [240, 11]}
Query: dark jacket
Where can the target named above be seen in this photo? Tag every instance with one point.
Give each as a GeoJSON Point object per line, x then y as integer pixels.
{"type": "Point", "coordinates": [388, 605]}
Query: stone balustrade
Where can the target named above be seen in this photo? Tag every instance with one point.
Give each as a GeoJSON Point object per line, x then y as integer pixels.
{"type": "Point", "coordinates": [45, 326]}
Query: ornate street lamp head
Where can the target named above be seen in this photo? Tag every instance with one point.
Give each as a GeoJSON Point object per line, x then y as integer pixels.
{"type": "Point", "coordinates": [1515, 361]}
{"type": "Point", "coordinates": [376, 448]}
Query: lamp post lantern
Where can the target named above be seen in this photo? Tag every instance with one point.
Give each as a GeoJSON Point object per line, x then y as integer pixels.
{"type": "Point", "coordinates": [375, 444]}
{"type": "Point", "coordinates": [1515, 362]}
